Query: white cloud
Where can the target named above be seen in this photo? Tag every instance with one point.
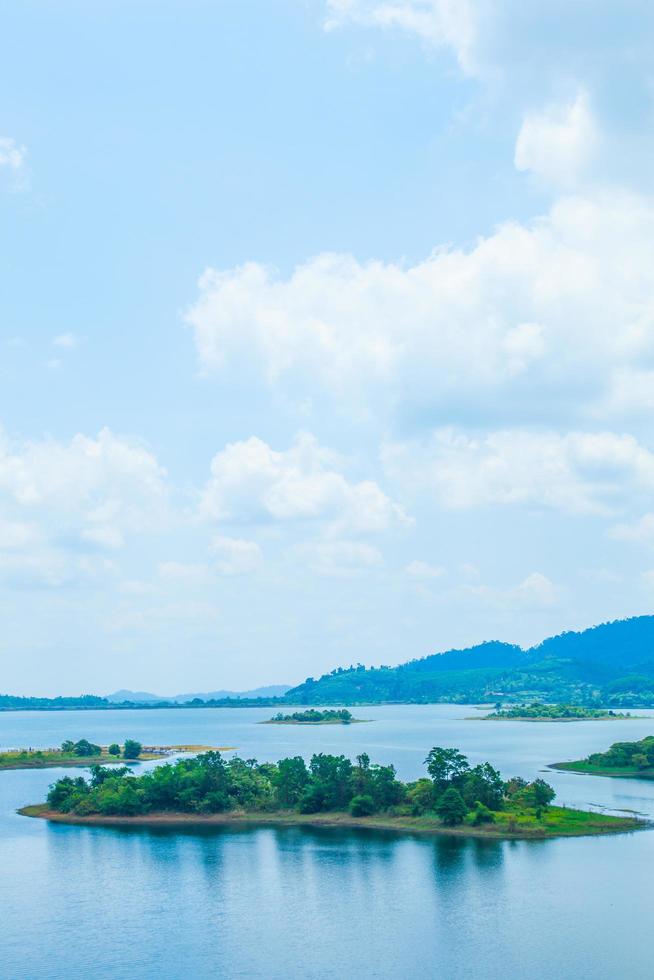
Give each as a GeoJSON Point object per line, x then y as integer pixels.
{"type": "Point", "coordinates": [183, 572]}
{"type": "Point", "coordinates": [12, 155]}
{"type": "Point", "coordinates": [46, 567]}
{"type": "Point", "coordinates": [641, 531]}
{"type": "Point", "coordinates": [443, 23]}
{"type": "Point", "coordinates": [16, 535]}
{"type": "Point", "coordinates": [558, 143]}
{"type": "Point", "coordinates": [536, 591]}
{"type": "Point", "coordinates": [68, 341]}
{"type": "Point", "coordinates": [579, 472]}
{"type": "Point", "coordinates": [342, 558]}
{"type": "Point", "coordinates": [423, 570]}
{"type": "Point", "coordinates": [234, 556]}
{"type": "Point", "coordinates": [537, 321]}
{"type": "Point", "coordinates": [98, 489]}
{"type": "Point", "coordinates": [105, 537]}
{"type": "Point", "coordinates": [13, 175]}
{"type": "Point", "coordinates": [251, 482]}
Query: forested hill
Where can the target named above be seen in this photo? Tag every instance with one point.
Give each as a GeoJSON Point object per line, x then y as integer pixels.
{"type": "Point", "coordinates": [612, 663]}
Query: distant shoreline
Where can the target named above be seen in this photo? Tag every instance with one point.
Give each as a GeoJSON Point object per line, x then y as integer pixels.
{"type": "Point", "coordinates": [331, 721]}
{"type": "Point", "coordinates": [590, 824]}
{"type": "Point", "coordinates": [587, 769]}
{"type": "Point", "coordinates": [558, 720]}
{"type": "Point", "coordinates": [67, 762]}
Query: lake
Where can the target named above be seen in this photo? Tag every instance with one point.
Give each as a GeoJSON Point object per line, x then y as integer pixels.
{"type": "Point", "coordinates": [269, 903]}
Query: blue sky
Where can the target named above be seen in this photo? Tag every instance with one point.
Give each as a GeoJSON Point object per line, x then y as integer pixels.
{"type": "Point", "coordinates": [327, 333]}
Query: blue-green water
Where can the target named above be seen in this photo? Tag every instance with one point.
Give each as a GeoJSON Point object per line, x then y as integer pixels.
{"type": "Point", "coordinates": [285, 903]}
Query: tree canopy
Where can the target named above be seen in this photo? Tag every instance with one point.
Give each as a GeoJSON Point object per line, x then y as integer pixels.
{"type": "Point", "coordinates": [209, 783]}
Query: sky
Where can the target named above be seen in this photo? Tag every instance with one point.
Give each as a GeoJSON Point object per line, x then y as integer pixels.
{"type": "Point", "coordinates": [326, 333]}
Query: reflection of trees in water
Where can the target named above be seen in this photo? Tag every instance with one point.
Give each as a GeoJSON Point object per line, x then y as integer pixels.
{"type": "Point", "coordinates": [455, 855]}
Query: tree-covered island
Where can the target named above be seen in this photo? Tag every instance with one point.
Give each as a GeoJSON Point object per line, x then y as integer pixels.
{"type": "Point", "coordinates": [627, 759]}
{"type": "Point", "coordinates": [537, 711]}
{"type": "Point", "coordinates": [85, 753]}
{"type": "Point", "coordinates": [314, 716]}
{"type": "Point", "coordinates": [454, 797]}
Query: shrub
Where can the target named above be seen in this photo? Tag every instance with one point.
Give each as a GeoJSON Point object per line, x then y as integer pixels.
{"type": "Point", "coordinates": [482, 815]}
{"type": "Point", "coordinates": [362, 806]}
{"type": "Point", "coordinates": [114, 749]}
{"type": "Point", "coordinates": [420, 796]}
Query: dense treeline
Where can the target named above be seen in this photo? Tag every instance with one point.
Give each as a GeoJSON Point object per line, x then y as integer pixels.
{"type": "Point", "coordinates": [626, 755]}
{"type": "Point", "coordinates": [554, 712]}
{"type": "Point", "coordinates": [16, 703]}
{"type": "Point", "coordinates": [454, 791]}
{"type": "Point", "coordinates": [313, 716]}
{"type": "Point", "coordinates": [10, 702]}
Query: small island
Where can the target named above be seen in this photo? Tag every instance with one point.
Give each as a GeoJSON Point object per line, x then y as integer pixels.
{"type": "Point", "coordinates": [454, 798]}
{"type": "Point", "coordinates": [537, 711]}
{"type": "Point", "coordinates": [633, 760]}
{"type": "Point", "coordinates": [313, 716]}
{"type": "Point", "coordinates": [85, 753]}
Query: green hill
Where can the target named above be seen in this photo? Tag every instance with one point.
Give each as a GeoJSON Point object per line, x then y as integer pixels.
{"type": "Point", "coordinates": [612, 664]}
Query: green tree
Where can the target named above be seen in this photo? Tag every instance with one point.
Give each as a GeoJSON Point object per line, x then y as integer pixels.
{"type": "Point", "coordinates": [290, 780]}
{"type": "Point", "coordinates": [132, 749]}
{"type": "Point", "coordinates": [542, 792]}
{"type": "Point", "coordinates": [331, 775]}
{"type": "Point", "coordinates": [420, 796]}
{"type": "Point", "coordinates": [482, 783]}
{"type": "Point", "coordinates": [444, 765]}
{"type": "Point", "coordinates": [84, 748]}
{"type": "Point", "coordinates": [384, 787]}
{"type": "Point", "coordinates": [114, 749]}
{"type": "Point", "coordinates": [451, 807]}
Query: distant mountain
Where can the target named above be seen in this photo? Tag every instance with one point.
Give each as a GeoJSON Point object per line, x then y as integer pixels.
{"type": "Point", "coordinates": [612, 663]}
{"type": "Point", "coordinates": [142, 697]}
{"type": "Point", "coordinates": [145, 697]}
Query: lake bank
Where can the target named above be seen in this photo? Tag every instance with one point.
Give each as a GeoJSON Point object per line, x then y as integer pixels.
{"type": "Point", "coordinates": [588, 769]}
{"type": "Point", "coordinates": [557, 822]}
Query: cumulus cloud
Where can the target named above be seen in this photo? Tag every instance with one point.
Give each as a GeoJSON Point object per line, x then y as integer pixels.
{"type": "Point", "coordinates": [536, 591]}
{"type": "Point", "coordinates": [558, 143]}
{"type": "Point", "coordinates": [579, 472]}
{"type": "Point", "coordinates": [187, 573]}
{"type": "Point", "coordinates": [12, 155]}
{"type": "Point", "coordinates": [342, 558]}
{"type": "Point", "coordinates": [423, 570]}
{"type": "Point", "coordinates": [12, 165]}
{"type": "Point", "coordinates": [235, 556]}
{"type": "Point", "coordinates": [640, 531]}
{"type": "Point", "coordinates": [443, 23]}
{"type": "Point", "coordinates": [68, 341]}
{"type": "Point", "coordinates": [98, 489]}
{"type": "Point", "coordinates": [534, 321]}
{"type": "Point", "coordinates": [253, 483]}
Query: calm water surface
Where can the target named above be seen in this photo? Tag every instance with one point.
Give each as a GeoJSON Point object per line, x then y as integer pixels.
{"type": "Point", "coordinates": [286, 903]}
